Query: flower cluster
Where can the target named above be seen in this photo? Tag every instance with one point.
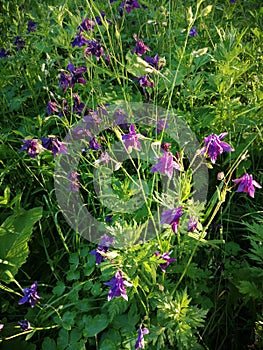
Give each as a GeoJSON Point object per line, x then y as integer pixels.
{"type": "Point", "coordinates": [34, 147]}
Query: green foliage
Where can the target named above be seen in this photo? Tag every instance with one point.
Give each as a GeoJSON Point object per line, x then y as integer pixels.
{"type": "Point", "coordinates": [211, 296]}
{"type": "Point", "coordinates": [15, 232]}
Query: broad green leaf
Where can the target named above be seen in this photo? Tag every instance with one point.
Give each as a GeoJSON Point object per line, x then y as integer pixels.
{"type": "Point", "coordinates": [15, 233]}
{"type": "Point", "coordinates": [94, 325]}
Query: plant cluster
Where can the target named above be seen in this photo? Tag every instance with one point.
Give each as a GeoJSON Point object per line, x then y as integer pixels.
{"type": "Point", "coordinates": [150, 115]}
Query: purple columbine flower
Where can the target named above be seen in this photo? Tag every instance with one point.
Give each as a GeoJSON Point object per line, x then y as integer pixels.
{"type": "Point", "coordinates": [143, 81]}
{"type": "Point", "coordinates": [4, 53]}
{"type": "Point", "coordinates": [214, 146]}
{"type": "Point", "coordinates": [86, 25]}
{"type": "Point", "coordinates": [95, 49]}
{"type": "Point", "coordinates": [247, 184]}
{"type": "Point", "coordinates": [166, 164]}
{"type": "Point", "coordinates": [32, 146]}
{"type": "Point", "coordinates": [166, 257]}
{"type": "Point", "coordinates": [129, 5]}
{"type": "Point", "coordinates": [140, 48]}
{"type": "Point", "coordinates": [131, 139]}
{"type": "Point", "coordinates": [19, 43]}
{"type": "Point", "coordinates": [78, 106]}
{"type": "Point", "coordinates": [192, 224]}
{"type": "Point", "coordinates": [54, 145]}
{"type": "Point", "coordinates": [193, 32]}
{"type": "Point", "coordinates": [102, 249]}
{"type": "Point", "coordinates": [120, 118]}
{"type": "Point", "coordinates": [140, 340]}
{"type": "Point", "coordinates": [165, 146]}
{"type": "Point", "coordinates": [153, 61]}
{"type": "Point", "coordinates": [98, 18]}
{"type": "Point", "coordinates": [24, 324]}
{"type": "Point", "coordinates": [31, 26]}
{"type": "Point", "coordinates": [30, 296]}
{"type": "Point", "coordinates": [52, 107]}
{"type": "Point", "coordinates": [64, 81]}
{"type": "Point", "coordinates": [117, 285]}
{"type": "Point", "coordinates": [172, 217]}
{"type": "Point", "coordinates": [76, 75]}
{"type": "Point", "coordinates": [79, 41]}
{"type": "Point", "coordinates": [232, 1]}
{"type": "Point", "coordinates": [73, 177]}
{"type": "Point", "coordinates": [93, 144]}
{"type": "Point", "coordinates": [1, 326]}
{"type": "Point", "coordinates": [161, 124]}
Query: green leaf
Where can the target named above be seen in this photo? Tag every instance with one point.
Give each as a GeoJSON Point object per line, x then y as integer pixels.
{"type": "Point", "coordinates": [15, 233]}
{"type": "Point", "coordinates": [59, 289]}
{"type": "Point", "coordinates": [95, 325]}
{"type": "Point", "coordinates": [48, 344]}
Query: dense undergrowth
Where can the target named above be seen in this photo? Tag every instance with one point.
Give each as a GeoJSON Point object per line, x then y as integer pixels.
{"type": "Point", "coordinates": [161, 104]}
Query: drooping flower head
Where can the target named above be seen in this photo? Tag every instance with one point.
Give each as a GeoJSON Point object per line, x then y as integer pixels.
{"type": "Point", "coordinates": [140, 48]}
{"type": "Point", "coordinates": [54, 145]}
{"type": "Point", "coordinates": [52, 107]}
{"type": "Point", "coordinates": [31, 26]}
{"type": "Point", "coordinates": [95, 49]}
{"type": "Point", "coordinates": [73, 178]}
{"type": "Point", "coordinates": [154, 61]}
{"type": "Point", "coordinates": [24, 324]}
{"type": "Point", "coordinates": [140, 340]}
{"type": "Point", "coordinates": [4, 53]}
{"type": "Point", "coordinates": [166, 164]}
{"type": "Point", "coordinates": [19, 43]}
{"type": "Point", "coordinates": [32, 146]}
{"type": "Point", "coordinates": [93, 144]}
{"type": "Point", "coordinates": [214, 146]}
{"type": "Point", "coordinates": [117, 285]}
{"type": "Point", "coordinates": [166, 258]}
{"type": "Point", "coordinates": [192, 224]}
{"type": "Point", "coordinates": [129, 5]}
{"type": "Point", "coordinates": [86, 25]}
{"type": "Point", "coordinates": [131, 139]}
{"type": "Point", "coordinates": [247, 184]}
{"type": "Point", "coordinates": [143, 81]}
{"type": "Point", "coordinates": [1, 326]}
{"type": "Point", "coordinates": [79, 41]}
{"type": "Point", "coordinates": [172, 217]}
{"type": "Point", "coordinates": [76, 75]}
{"type": "Point", "coordinates": [31, 296]}
{"type": "Point", "coordinates": [102, 249]}
{"type": "Point", "coordinates": [193, 32]}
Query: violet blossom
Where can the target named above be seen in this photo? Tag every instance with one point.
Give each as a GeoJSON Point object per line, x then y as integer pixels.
{"type": "Point", "coordinates": [54, 145]}
{"type": "Point", "coordinates": [24, 324]}
{"type": "Point", "coordinates": [140, 340]}
{"type": "Point", "coordinates": [131, 139]}
{"type": "Point", "coordinates": [140, 48]}
{"type": "Point", "coordinates": [102, 249]}
{"type": "Point", "coordinates": [117, 285]}
{"type": "Point", "coordinates": [129, 5]}
{"type": "Point", "coordinates": [166, 164]}
{"type": "Point", "coordinates": [31, 296]}
{"type": "Point", "coordinates": [247, 184]}
{"type": "Point", "coordinates": [166, 257]}
{"type": "Point", "coordinates": [94, 48]}
{"type": "Point", "coordinates": [32, 146]}
{"type": "Point", "coordinates": [214, 146]}
{"type": "Point", "coordinates": [172, 217]}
